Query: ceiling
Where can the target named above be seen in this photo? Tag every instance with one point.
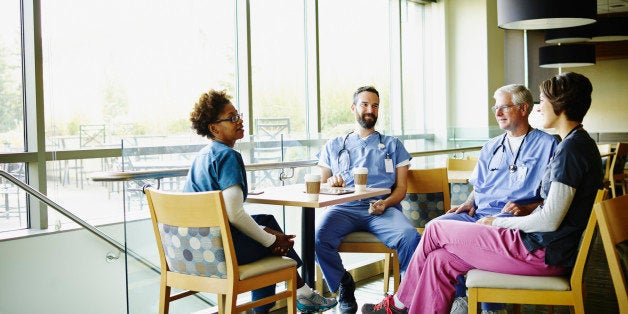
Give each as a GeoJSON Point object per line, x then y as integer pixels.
{"type": "Point", "coordinates": [611, 6]}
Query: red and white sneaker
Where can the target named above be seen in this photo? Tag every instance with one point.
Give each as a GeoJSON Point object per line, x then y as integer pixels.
{"type": "Point", "coordinates": [387, 306]}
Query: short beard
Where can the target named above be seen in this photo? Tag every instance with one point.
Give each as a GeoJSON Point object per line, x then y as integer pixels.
{"type": "Point", "coordinates": [367, 124]}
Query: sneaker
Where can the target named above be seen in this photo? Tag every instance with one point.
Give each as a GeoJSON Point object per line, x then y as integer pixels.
{"type": "Point", "coordinates": [346, 295]}
{"type": "Point", "coordinates": [502, 311]}
{"type": "Point", "coordinates": [314, 303]}
{"type": "Point", "coordinates": [460, 306]}
{"type": "Point", "coordinates": [387, 306]}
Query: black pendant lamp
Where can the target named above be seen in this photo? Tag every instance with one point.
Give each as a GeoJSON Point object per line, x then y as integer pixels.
{"type": "Point", "coordinates": [611, 29]}
{"type": "Point", "coordinates": [569, 35]}
{"type": "Point", "coordinates": [545, 14]}
{"type": "Point", "coordinates": [567, 56]}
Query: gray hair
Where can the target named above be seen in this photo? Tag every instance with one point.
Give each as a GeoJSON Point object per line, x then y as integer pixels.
{"type": "Point", "coordinates": [519, 94]}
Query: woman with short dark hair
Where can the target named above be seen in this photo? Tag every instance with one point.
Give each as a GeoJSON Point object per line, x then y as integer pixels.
{"type": "Point", "coordinates": [545, 242]}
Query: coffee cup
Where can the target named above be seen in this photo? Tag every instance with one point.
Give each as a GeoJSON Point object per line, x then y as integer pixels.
{"type": "Point", "coordinates": [312, 186]}
{"type": "Point", "coordinates": [360, 178]}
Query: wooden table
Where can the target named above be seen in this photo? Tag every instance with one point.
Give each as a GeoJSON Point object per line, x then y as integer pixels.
{"type": "Point", "coordinates": [459, 176]}
{"type": "Point", "coordinates": [292, 195]}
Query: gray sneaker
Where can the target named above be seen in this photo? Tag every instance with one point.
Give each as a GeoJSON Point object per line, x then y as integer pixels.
{"type": "Point", "coordinates": [460, 306]}
{"type": "Point", "coordinates": [314, 303]}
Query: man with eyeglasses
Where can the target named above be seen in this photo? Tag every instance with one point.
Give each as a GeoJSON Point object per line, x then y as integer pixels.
{"type": "Point", "coordinates": [387, 161]}
{"type": "Point", "coordinates": [508, 173]}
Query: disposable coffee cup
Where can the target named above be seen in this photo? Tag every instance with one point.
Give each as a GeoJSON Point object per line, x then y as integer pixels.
{"type": "Point", "coordinates": [312, 186]}
{"type": "Point", "coordinates": [360, 178]}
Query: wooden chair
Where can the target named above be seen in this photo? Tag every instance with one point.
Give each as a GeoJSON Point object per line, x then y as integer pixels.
{"type": "Point", "coordinates": [486, 286]}
{"type": "Point", "coordinates": [605, 149]}
{"type": "Point", "coordinates": [197, 254]}
{"type": "Point", "coordinates": [612, 216]}
{"type": "Point", "coordinates": [467, 164]}
{"type": "Point", "coordinates": [617, 175]}
{"type": "Point", "coordinates": [427, 196]}
{"type": "Point", "coordinates": [460, 191]}
{"type": "Point", "coordinates": [422, 203]}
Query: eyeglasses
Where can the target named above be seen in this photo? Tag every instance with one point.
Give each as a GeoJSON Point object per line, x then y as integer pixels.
{"type": "Point", "coordinates": [234, 119]}
{"type": "Point", "coordinates": [503, 108]}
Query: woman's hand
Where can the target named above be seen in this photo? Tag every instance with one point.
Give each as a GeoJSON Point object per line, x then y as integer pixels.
{"type": "Point", "coordinates": [486, 221]}
{"type": "Point", "coordinates": [283, 242]}
{"type": "Point", "coordinates": [336, 180]}
{"type": "Point", "coordinates": [519, 210]}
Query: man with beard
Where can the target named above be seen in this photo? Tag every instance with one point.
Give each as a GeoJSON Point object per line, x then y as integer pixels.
{"type": "Point", "coordinates": [387, 161]}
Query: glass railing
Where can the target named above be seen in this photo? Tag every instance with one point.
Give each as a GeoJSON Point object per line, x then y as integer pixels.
{"type": "Point", "coordinates": [269, 163]}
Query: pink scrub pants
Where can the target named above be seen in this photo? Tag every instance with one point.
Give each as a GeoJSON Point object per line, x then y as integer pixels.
{"type": "Point", "coordinates": [449, 248]}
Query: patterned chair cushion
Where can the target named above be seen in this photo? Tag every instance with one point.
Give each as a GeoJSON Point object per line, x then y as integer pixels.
{"type": "Point", "coordinates": [460, 192]}
{"type": "Point", "coordinates": [194, 251]}
{"type": "Point", "coordinates": [421, 208]}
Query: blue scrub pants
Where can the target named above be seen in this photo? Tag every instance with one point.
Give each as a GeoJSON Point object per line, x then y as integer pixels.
{"type": "Point", "coordinates": [392, 228]}
{"type": "Point", "coordinates": [248, 250]}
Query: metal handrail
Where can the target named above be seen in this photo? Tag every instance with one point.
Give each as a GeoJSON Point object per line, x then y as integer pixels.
{"type": "Point", "coordinates": [43, 198]}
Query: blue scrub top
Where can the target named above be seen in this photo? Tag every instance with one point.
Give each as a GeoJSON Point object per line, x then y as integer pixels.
{"type": "Point", "coordinates": [216, 167]}
{"type": "Point", "coordinates": [494, 185]}
{"type": "Point", "coordinates": [364, 152]}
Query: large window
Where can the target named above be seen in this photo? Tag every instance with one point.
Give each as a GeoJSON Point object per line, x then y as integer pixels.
{"type": "Point", "coordinates": [127, 73]}
{"type": "Point", "coordinates": [278, 63]}
{"type": "Point", "coordinates": [354, 51]}
{"type": "Point", "coordinates": [12, 201]}
{"type": "Point", "coordinates": [11, 105]}
{"type": "Point", "coordinates": [133, 67]}
{"type": "Point", "coordinates": [126, 70]}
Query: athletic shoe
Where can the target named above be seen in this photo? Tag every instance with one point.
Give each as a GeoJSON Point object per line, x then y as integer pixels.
{"type": "Point", "coordinates": [314, 303]}
{"type": "Point", "coordinates": [460, 306]}
{"type": "Point", "coordinates": [387, 306]}
{"type": "Point", "coordinates": [346, 295]}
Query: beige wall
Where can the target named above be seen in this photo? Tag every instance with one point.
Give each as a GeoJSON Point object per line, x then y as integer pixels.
{"type": "Point", "coordinates": [609, 107]}
{"type": "Point", "coordinates": [467, 63]}
{"type": "Point", "coordinates": [478, 63]}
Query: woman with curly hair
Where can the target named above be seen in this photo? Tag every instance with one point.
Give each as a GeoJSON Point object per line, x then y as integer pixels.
{"type": "Point", "coordinates": [219, 167]}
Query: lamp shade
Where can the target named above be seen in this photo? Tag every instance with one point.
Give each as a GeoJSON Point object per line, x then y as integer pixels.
{"type": "Point", "coordinates": [575, 55]}
{"type": "Point", "coordinates": [611, 29]}
{"type": "Point", "coordinates": [545, 14]}
{"type": "Point", "coordinates": [569, 34]}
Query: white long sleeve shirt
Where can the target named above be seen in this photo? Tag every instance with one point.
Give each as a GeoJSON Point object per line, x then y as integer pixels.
{"type": "Point", "coordinates": [233, 197]}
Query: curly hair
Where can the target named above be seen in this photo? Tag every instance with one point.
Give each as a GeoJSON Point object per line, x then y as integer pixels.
{"type": "Point", "coordinates": [569, 92]}
{"type": "Point", "coordinates": [207, 109]}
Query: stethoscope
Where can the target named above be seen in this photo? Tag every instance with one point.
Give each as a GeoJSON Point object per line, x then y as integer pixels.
{"type": "Point", "coordinates": [345, 151]}
{"type": "Point", "coordinates": [512, 168]}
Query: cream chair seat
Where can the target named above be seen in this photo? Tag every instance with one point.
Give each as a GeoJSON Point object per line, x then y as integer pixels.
{"type": "Point", "coordinates": [486, 286]}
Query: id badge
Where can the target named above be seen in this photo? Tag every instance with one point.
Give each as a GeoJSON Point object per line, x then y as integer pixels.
{"type": "Point", "coordinates": [521, 174]}
{"type": "Point", "coordinates": [389, 165]}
